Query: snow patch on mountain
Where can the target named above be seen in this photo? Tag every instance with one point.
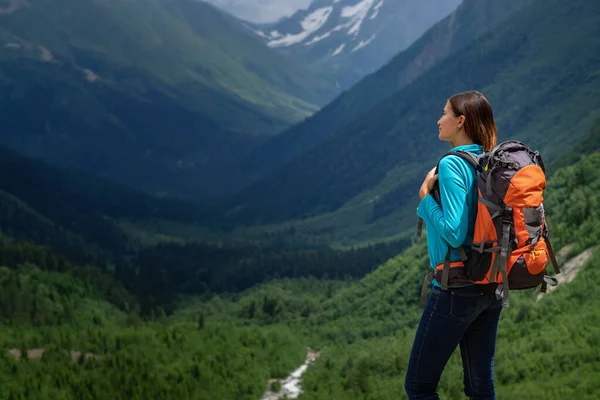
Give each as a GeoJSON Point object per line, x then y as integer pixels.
{"type": "Point", "coordinates": [338, 50]}
{"type": "Point", "coordinates": [318, 38]}
{"type": "Point", "coordinates": [275, 34]}
{"type": "Point", "coordinates": [259, 33]}
{"type": "Point", "coordinates": [311, 24]}
{"type": "Point", "coordinates": [363, 43]}
{"type": "Point", "coordinates": [356, 36]}
{"type": "Point", "coordinates": [357, 14]}
{"type": "Point", "coordinates": [350, 19]}
{"type": "Point", "coordinates": [376, 10]}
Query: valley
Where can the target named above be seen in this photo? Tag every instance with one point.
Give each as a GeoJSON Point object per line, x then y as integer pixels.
{"type": "Point", "coordinates": [196, 207]}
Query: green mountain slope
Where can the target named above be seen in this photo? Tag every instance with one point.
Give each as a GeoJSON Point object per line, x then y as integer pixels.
{"type": "Point", "coordinates": [90, 220]}
{"type": "Point", "coordinates": [465, 25]}
{"type": "Point", "coordinates": [79, 346]}
{"type": "Point", "coordinates": [588, 145]}
{"type": "Point", "coordinates": [75, 212]}
{"type": "Point", "coordinates": [547, 348]}
{"type": "Point", "coordinates": [366, 330]}
{"type": "Point", "coordinates": [544, 87]}
{"type": "Point", "coordinates": [366, 359]}
{"type": "Point", "coordinates": [232, 345]}
{"type": "Point", "coordinates": [153, 94]}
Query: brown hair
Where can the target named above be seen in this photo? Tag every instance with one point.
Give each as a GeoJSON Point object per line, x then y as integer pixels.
{"type": "Point", "coordinates": [479, 118]}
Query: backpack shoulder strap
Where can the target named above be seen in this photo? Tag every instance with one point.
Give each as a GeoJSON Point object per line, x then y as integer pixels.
{"type": "Point", "coordinates": [467, 156]}
{"type": "Point", "coordinates": [471, 158]}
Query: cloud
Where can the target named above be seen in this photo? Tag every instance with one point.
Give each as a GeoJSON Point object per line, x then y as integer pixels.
{"type": "Point", "coordinates": [260, 10]}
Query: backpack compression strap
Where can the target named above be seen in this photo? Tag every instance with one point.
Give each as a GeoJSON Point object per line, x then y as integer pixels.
{"type": "Point", "coordinates": [447, 262]}
{"type": "Point", "coordinates": [548, 280]}
{"type": "Point", "coordinates": [550, 249]}
{"type": "Point", "coordinates": [500, 261]}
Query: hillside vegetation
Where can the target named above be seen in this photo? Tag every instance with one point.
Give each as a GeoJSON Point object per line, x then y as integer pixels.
{"type": "Point", "coordinates": [230, 345]}
{"type": "Point", "coordinates": [153, 94]}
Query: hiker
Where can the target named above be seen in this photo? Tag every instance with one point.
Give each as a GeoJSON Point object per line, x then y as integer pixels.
{"type": "Point", "coordinates": [465, 314]}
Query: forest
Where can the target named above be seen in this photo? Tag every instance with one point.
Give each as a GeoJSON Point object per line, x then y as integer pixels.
{"type": "Point", "coordinates": [228, 344]}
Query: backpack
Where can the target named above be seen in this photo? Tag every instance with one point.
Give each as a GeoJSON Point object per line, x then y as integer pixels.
{"type": "Point", "coordinates": [510, 246]}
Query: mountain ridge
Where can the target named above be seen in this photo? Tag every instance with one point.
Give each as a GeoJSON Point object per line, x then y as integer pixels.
{"type": "Point", "coordinates": [471, 19]}
{"type": "Point", "coordinates": [360, 155]}
{"type": "Point", "coordinates": [109, 91]}
{"type": "Point", "coordinates": [352, 38]}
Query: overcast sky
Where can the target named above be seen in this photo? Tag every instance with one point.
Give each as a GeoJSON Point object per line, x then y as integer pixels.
{"type": "Point", "coordinates": [260, 10]}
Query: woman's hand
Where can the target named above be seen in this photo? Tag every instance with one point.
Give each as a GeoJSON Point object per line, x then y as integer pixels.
{"type": "Point", "coordinates": [428, 183]}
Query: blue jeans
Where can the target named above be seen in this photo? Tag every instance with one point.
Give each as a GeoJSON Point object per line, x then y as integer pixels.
{"type": "Point", "coordinates": [467, 316]}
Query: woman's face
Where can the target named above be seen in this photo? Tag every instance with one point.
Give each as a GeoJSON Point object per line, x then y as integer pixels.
{"type": "Point", "coordinates": [449, 125]}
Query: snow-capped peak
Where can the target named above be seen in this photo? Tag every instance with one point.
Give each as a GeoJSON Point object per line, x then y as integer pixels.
{"type": "Point", "coordinates": [321, 21]}
{"type": "Point", "coordinates": [310, 24]}
{"type": "Point", "coordinates": [353, 37]}
{"type": "Point", "coordinates": [357, 14]}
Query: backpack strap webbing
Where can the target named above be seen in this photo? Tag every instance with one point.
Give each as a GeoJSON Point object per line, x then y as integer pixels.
{"type": "Point", "coordinates": [538, 160]}
{"type": "Point", "coordinates": [446, 270]}
{"type": "Point", "coordinates": [552, 256]}
{"type": "Point", "coordinates": [467, 156]}
{"type": "Point", "coordinates": [472, 160]}
{"type": "Point", "coordinates": [548, 281]}
{"type": "Point", "coordinates": [419, 227]}
{"type": "Point", "coordinates": [448, 264]}
{"type": "Point", "coordinates": [424, 289]}
{"type": "Point", "coordinates": [500, 261]}
{"type": "Point", "coordinates": [462, 254]}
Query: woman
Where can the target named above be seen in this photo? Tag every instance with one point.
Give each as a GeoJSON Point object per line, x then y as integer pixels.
{"type": "Point", "coordinates": [465, 314]}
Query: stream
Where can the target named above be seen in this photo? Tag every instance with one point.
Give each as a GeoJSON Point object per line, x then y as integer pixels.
{"type": "Point", "coordinates": [291, 386]}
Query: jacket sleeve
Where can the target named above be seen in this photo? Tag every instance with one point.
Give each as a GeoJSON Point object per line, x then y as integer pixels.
{"type": "Point", "coordinates": [452, 218]}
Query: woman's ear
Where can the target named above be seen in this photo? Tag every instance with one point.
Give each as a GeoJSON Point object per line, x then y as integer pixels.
{"type": "Point", "coordinates": [461, 121]}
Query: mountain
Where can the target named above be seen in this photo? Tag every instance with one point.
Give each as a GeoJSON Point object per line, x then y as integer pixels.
{"type": "Point", "coordinates": [588, 145]}
{"type": "Point", "coordinates": [75, 213]}
{"type": "Point", "coordinates": [465, 25]}
{"type": "Point", "coordinates": [91, 220]}
{"type": "Point", "coordinates": [352, 38]}
{"type": "Point", "coordinates": [152, 94]}
{"type": "Point", "coordinates": [544, 87]}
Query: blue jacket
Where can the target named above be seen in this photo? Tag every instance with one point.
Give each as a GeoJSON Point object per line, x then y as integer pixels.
{"type": "Point", "coordinates": [454, 223]}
